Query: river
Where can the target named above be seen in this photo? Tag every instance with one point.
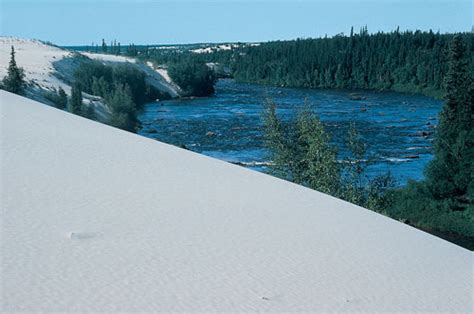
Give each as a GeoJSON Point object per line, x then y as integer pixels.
{"type": "Point", "coordinates": [397, 128]}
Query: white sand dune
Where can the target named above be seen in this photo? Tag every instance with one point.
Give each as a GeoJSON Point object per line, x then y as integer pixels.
{"type": "Point", "coordinates": [97, 219]}
{"type": "Point", "coordinates": [36, 58]}
{"type": "Point", "coordinates": [46, 67]}
{"type": "Point", "coordinates": [38, 61]}
{"type": "Point", "coordinates": [160, 79]}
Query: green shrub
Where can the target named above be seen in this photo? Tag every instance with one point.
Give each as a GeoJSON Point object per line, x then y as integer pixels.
{"type": "Point", "coordinates": [301, 152]}
{"type": "Point", "coordinates": [59, 98]}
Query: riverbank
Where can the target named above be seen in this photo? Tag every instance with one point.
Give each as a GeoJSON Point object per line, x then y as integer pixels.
{"type": "Point", "coordinates": [408, 89]}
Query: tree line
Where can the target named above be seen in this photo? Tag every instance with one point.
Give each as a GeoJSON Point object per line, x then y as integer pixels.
{"type": "Point", "coordinates": [402, 61]}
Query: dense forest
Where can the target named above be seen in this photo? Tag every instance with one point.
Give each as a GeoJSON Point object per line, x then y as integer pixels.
{"type": "Point", "coordinates": [195, 78]}
{"type": "Point", "coordinates": [401, 61]}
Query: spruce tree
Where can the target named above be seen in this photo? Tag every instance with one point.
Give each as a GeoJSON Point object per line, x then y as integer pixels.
{"type": "Point", "coordinates": [123, 108]}
{"type": "Point", "coordinates": [104, 46]}
{"type": "Point", "coordinates": [451, 173]}
{"type": "Point", "coordinates": [62, 99]}
{"type": "Point", "coordinates": [75, 105]}
{"type": "Point", "coordinates": [444, 201]}
{"type": "Point", "coordinates": [14, 81]}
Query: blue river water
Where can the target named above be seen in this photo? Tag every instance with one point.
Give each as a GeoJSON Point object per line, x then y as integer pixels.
{"type": "Point", "coordinates": [397, 128]}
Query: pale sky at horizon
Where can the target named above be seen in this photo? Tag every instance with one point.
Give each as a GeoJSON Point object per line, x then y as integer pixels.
{"type": "Point", "coordinates": [80, 22]}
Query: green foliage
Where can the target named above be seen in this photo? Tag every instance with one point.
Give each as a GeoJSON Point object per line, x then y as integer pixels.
{"type": "Point", "coordinates": [409, 61]}
{"type": "Point", "coordinates": [195, 78]}
{"type": "Point", "coordinates": [100, 86]}
{"type": "Point", "coordinates": [75, 103]}
{"type": "Point", "coordinates": [104, 46]}
{"type": "Point", "coordinates": [301, 152]}
{"type": "Point", "coordinates": [278, 142]}
{"type": "Point", "coordinates": [414, 62]}
{"type": "Point", "coordinates": [316, 160]}
{"type": "Point", "coordinates": [123, 109]}
{"type": "Point", "coordinates": [125, 74]}
{"type": "Point", "coordinates": [99, 79]}
{"type": "Point", "coordinates": [415, 204]}
{"type": "Point", "coordinates": [355, 167]}
{"type": "Point", "coordinates": [14, 81]}
{"type": "Point", "coordinates": [451, 172]}
{"type": "Point", "coordinates": [62, 99]}
{"type": "Point", "coordinates": [58, 98]}
{"type": "Point", "coordinates": [444, 201]}
{"type": "Point", "coordinates": [123, 88]}
{"type": "Point", "coordinates": [379, 194]}
{"type": "Point", "coordinates": [90, 113]}
{"type": "Point", "coordinates": [89, 73]}
{"type": "Point", "coordinates": [131, 50]}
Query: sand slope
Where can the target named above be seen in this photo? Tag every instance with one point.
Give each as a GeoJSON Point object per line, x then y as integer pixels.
{"type": "Point", "coordinates": [36, 58]}
{"type": "Point", "coordinates": [47, 68]}
{"type": "Point", "coordinates": [97, 219]}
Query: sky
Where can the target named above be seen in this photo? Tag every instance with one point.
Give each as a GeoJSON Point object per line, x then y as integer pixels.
{"type": "Point", "coordinates": [81, 22]}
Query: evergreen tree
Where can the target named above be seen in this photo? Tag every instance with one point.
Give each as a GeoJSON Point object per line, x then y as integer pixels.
{"type": "Point", "coordinates": [75, 104]}
{"type": "Point", "coordinates": [195, 78]}
{"type": "Point", "coordinates": [14, 81]}
{"type": "Point", "coordinates": [104, 46]}
{"type": "Point", "coordinates": [90, 113]}
{"type": "Point", "coordinates": [450, 174]}
{"type": "Point", "coordinates": [62, 99]}
{"type": "Point", "coordinates": [123, 108]}
{"type": "Point", "coordinates": [402, 61]}
{"type": "Point", "coordinates": [132, 51]}
{"type": "Point", "coordinates": [444, 201]}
